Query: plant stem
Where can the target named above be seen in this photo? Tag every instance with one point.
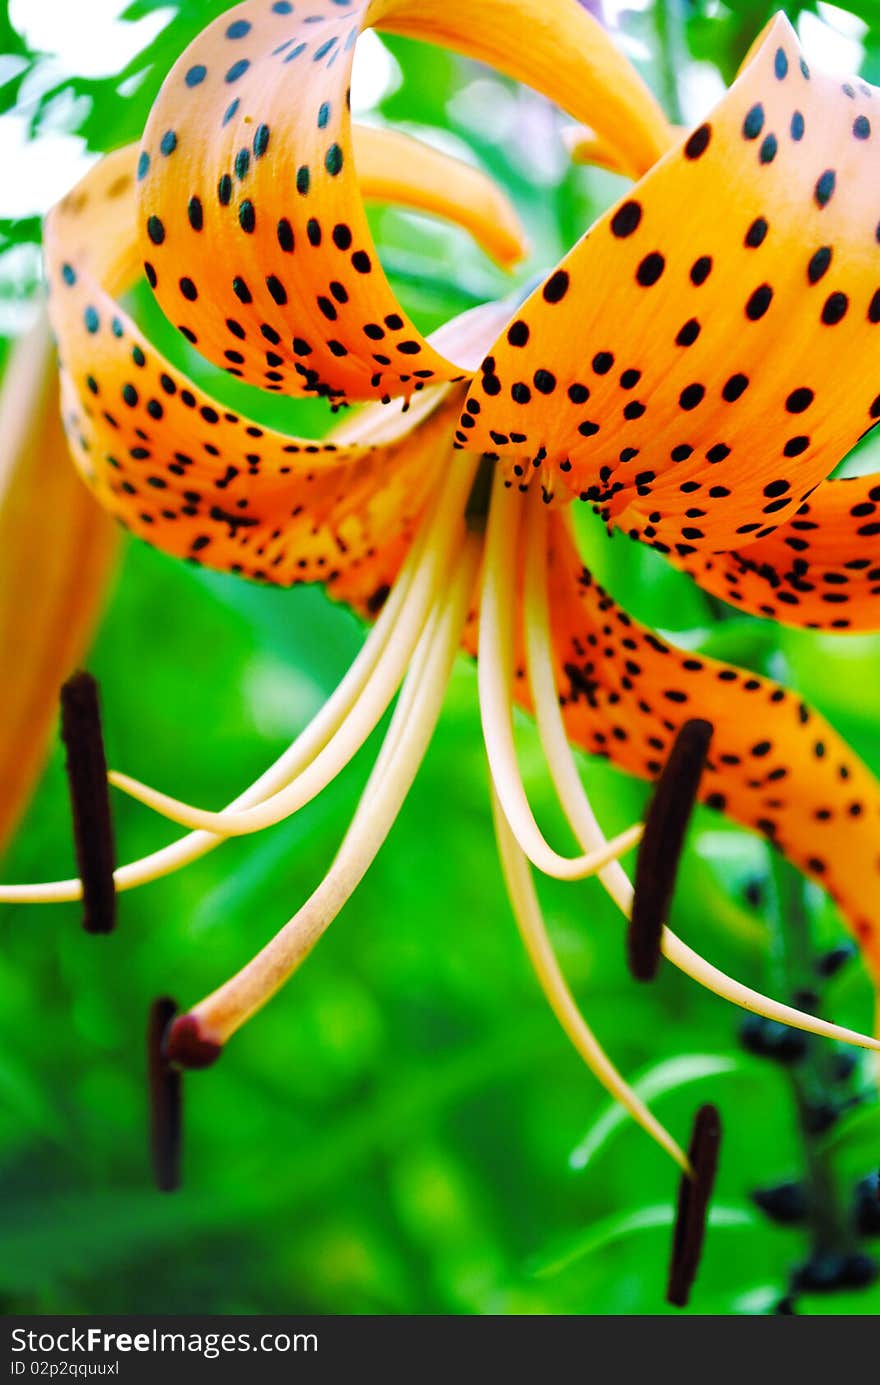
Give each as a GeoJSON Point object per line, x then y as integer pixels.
{"type": "Point", "coordinates": [669, 23]}
{"type": "Point", "coordinates": [811, 1078]}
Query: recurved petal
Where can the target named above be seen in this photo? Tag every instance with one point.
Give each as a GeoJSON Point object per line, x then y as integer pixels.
{"type": "Point", "coordinates": [56, 558]}
{"type": "Point", "coordinates": [249, 203]}
{"type": "Point", "coordinates": [586, 147]}
{"type": "Point", "coordinates": [201, 481]}
{"type": "Point", "coordinates": [394, 167]}
{"type": "Point", "coordinates": [820, 569]}
{"type": "Point", "coordinates": [558, 48]}
{"type": "Point", "coordinates": [710, 349]}
{"type": "Point", "coordinates": [775, 765]}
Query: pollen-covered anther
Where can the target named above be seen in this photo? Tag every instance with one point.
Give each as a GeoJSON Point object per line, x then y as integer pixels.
{"type": "Point", "coordinates": [166, 1098]}
{"type": "Point", "coordinates": [187, 1045]}
{"type": "Point", "coordinates": [694, 1194]}
{"type": "Point", "coordinates": [660, 851]}
{"type": "Point", "coordinates": [89, 801]}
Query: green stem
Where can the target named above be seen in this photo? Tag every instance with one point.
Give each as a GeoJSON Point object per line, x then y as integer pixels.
{"type": "Point", "coordinates": [669, 23]}
{"type": "Point", "coordinates": [811, 1078]}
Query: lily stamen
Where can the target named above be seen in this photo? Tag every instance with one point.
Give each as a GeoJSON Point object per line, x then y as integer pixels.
{"type": "Point", "coordinates": [694, 1194]}
{"type": "Point", "coordinates": [529, 919]}
{"type": "Point", "coordinates": [555, 744]}
{"type": "Point", "coordinates": [367, 710]}
{"type": "Point", "coordinates": [90, 806]}
{"type": "Point", "coordinates": [215, 1019]}
{"type": "Point", "coordinates": [579, 813]}
{"type": "Point", "coordinates": [298, 755]}
{"type": "Point", "coordinates": [495, 669]}
{"type": "Point", "coordinates": [303, 751]}
{"type": "Point", "coordinates": [665, 827]}
{"type": "Point", "coordinates": [165, 1091]}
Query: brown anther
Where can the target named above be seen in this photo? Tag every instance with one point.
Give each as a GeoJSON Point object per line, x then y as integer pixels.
{"type": "Point", "coordinates": [694, 1193]}
{"type": "Point", "coordinates": [665, 828]}
{"type": "Point", "coordinates": [166, 1098]}
{"type": "Point", "coordinates": [186, 1045]}
{"type": "Point", "coordinates": [89, 801]}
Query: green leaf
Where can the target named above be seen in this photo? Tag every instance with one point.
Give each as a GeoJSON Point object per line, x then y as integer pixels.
{"type": "Point", "coordinates": [655, 1082]}
{"type": "Point", "coordinates": [856, 1137]}
{"type": "Point", "coordinates": [600, 1235]}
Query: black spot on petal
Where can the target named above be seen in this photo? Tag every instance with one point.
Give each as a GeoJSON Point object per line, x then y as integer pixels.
{"type": "Point", "coordinates": [698, 142]}
{"type": "Point", "coordinates": [556, 287]}
{"type": "Point", "coordinates": [824, 189]}
{"type": "Point", "coordinates": [626, 219]}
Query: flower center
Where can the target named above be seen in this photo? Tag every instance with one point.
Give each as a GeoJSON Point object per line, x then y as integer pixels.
{"type": "Point", "coordinates": [482, 551]}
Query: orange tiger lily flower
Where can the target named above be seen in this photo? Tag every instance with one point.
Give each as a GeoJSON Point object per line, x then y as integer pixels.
{"type": "Point", "coordinates": [694, 367]}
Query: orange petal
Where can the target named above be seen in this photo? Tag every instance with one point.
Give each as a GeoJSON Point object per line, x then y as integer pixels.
{"type": "Point", "coordinates": [775, 765]}
{"type": "Point", "coordinates": [586, 147]}
{"type": "Point", "coordinates": [394, 167]}
{"type": "Point", "coordinates": [56, 556]}
{"type": "Point", "coordinates": [821, 569]}
{"type": "Point", "coordinates": [249, 205]}
{"type": "Point", "coordinates": [554, 46]}
{"type": "Point", "coordinates": [718, 332]}
{"type": "Point", "coordinates": [201, 481]}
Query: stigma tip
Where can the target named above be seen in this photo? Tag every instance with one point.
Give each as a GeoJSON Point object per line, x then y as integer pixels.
{"type": "Point", "coordinates": [89, 801]}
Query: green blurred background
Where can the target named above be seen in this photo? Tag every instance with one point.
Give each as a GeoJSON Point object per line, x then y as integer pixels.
{"type": "Point", "coordinates": [404, 1129]}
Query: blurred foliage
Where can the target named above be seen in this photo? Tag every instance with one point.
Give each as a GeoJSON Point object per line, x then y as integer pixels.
{"type": "Point", "coordinates": [404, 1129]}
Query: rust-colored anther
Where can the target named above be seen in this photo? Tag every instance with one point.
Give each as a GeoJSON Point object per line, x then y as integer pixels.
{"type": "Point", "coordinates": [665, 828]}
{"type": "Point", "coordinates": [89, 801]}
{"type": "Point", "coordinates": [694, 1194]}
{"type": "Point", "coordinates": [186, 1045]}
{"type": "Point", "coordinates": [166, 1098]}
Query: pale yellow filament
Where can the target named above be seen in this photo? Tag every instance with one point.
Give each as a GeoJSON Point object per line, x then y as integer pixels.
{"type": "Point", "coordinates": [367, 711]}
{"type": "Point", "coordinates": [295, 759]}
{"type": "Point", "coordinates": [527, 911]}
{"type": "Point", "coordinates": [224, 1011]}
{"type": "Point", "coordinates": [500, 599]}
{"type": "Point", "coordinates": [576, 805]}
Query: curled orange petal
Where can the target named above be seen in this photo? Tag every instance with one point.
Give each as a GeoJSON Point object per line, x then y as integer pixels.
{"type": "Point", "coordinates": [56, 557]}
{"type": "Point", "coordinates": [249, 205]}
{"type": "Point", "coordinates": [202, 481]}
{"type": "Point", "coordinates": [709, 350]}
{"type": "Point", "coordinates": [775, 765]}
{"type": "Point", "coordinates": [586, 147]}
{"type": "Point", "coordinates": [820, 569]}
